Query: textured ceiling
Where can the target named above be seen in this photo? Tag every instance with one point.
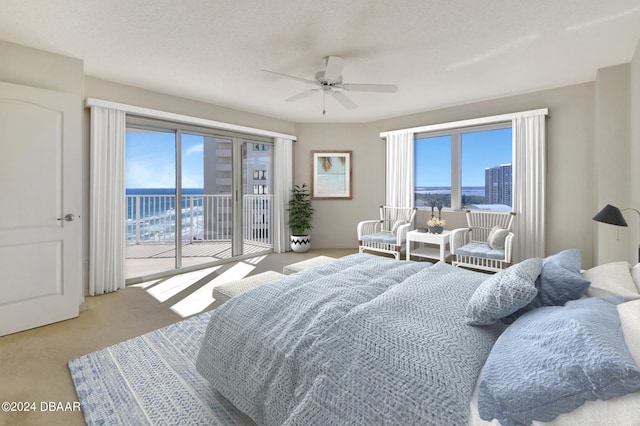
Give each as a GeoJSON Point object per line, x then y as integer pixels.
{"type": "Point", "coordinates": [439, 53]}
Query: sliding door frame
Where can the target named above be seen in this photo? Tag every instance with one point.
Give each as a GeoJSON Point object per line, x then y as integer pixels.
{"type": "Point", "coordinates": [238, 140]}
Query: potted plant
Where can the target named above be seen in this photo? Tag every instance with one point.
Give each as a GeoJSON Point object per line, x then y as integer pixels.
{"type": "Point", "coordinates": [435, 225]}
{"type": "Point", "coordinates": [300, 215]}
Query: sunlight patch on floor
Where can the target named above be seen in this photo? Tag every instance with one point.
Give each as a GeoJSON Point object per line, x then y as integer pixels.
{"type": "Point", "coordinates": [170, 287]}
{"type": "Point", "coordinates": [144, 285]}
{"type": "Point", "coordinates": [256, 260]}
{"type": "Point", "coordinates": [200, 299]}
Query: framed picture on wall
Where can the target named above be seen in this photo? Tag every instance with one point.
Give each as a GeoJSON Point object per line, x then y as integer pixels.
{"type": "Point", "coordinates": [331, 175]}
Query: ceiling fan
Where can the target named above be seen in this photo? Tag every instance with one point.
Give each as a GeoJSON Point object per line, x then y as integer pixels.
{"type": "Point", "coordinates": [331, 79]}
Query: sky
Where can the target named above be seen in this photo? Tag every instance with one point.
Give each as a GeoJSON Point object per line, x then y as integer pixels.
{"type": "Point", "coordinates": [479, 150]}
{"type": "Point", "coordinates": [151, 160]}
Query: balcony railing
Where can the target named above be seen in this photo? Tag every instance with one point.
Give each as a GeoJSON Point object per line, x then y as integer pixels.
{"type": "Point", "coordinates": [205, 218]}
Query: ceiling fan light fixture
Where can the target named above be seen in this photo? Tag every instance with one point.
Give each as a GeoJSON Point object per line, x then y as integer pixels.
{"type": "Point", "coordinates": [331, 79]}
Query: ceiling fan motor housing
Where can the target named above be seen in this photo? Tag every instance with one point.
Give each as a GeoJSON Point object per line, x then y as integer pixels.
{"type": "Point", "coordinates": [324, 82]}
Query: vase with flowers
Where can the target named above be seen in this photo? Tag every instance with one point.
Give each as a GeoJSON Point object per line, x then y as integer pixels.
{"type": "Point", "coordinates": [435, 225]}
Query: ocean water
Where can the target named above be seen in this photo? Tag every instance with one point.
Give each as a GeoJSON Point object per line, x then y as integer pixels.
{"type": "Point", "coordinates": [466, 190]}
{"type": "Point", "coordinates": [161, 200]}
{"type": "Point", "coordinates": [424, 194]}
{"type": "Point", "coordinates": [157, 210]}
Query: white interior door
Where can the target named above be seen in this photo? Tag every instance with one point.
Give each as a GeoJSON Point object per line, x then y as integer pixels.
{"type": "Point", "coordinates": [41, 199]}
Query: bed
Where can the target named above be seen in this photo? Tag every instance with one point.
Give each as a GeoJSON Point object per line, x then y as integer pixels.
{"type": "Point", "coordinates": [371, 340]}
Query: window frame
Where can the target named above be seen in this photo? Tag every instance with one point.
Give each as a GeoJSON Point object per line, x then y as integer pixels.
{"type": "Point", "coordinates": [456, 156]}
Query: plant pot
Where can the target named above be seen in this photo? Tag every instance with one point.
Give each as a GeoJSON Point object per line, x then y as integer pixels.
{"type": "Point", "coordinates": [300, 243]}
{"type": "Point", "coordinates": [436, 229]}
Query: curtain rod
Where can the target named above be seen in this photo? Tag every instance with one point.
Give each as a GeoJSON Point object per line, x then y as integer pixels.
{"type": "Point", "coordinates": [469, 122]}
{"type": "Point", "coordinates": [164, 115]}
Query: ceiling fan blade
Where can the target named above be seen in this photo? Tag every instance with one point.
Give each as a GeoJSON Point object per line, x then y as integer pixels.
{"type": "Point", "coordinates": [381, 88]}
{"type": "Point", "coordinates": [333, 69]}
{"type": "Point", "coordinates": [344, 100]}
{"type": "Point", "coordinates": [301, 95]}
{"type": "Point", "coordinates": [304, 80]}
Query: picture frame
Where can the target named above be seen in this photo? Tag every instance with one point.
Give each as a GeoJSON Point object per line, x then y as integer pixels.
{"type": "Point", "coordinates": [331, 175]}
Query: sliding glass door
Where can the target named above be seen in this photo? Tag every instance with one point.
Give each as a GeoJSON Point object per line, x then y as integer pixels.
{"type": "Point", "coordinates": [151, 201]}
{"type": "Point", "coordinates": [207, 187]}
{"type": "Point", "coordinates": [219, 205]}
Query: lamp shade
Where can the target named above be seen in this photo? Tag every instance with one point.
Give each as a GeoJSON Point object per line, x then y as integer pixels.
{"type": "Point", "coordinates": [611, 215]}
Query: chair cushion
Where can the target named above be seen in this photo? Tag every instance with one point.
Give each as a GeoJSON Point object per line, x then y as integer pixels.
{"type": "Point", "coordinates": [381, 237]}
{"type": "Point", "coordinates": [496, 238]}
{"type": "Point", "coordinates": [478, 249]}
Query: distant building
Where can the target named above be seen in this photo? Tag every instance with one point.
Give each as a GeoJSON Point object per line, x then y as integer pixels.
{"type": "Point", "coordinates": [256, 188]}
{"type": "Point", "coordinates": [498, 185]}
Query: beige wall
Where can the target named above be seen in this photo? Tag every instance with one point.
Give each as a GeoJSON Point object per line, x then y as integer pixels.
{"type": "Point", "coordinates": [36, 68]}
{"type": "Point", "coordinates": [611, 160]}
{"type": "Point", "coordinates": [335, 221]}
{"type": "Point", "coordinates": [634, 157]}
{"type": "Point", "coordinates": [570, 166]}
{"type": "Point", "coordinates": [572, 172]}
{"type": "Point", "coordinates": [109, 91]}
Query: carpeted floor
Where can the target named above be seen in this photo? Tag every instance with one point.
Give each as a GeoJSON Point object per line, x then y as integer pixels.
{"type": "Point", "coordinates": [33, 363]}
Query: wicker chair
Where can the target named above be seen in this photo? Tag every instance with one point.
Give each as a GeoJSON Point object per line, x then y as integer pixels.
{"type": "Point", "coordinates": [389, 233]}
{"type": "Point", "coordinates": [477, 247]}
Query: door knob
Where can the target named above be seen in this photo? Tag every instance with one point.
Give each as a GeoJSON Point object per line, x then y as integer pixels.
{"type": "Point", "coordinates": [68, 218]}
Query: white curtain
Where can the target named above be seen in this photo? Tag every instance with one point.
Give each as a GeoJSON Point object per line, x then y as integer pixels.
{"type": "Point", "coordinates": [399, 182]}
{"type": "Point", "coordinates": [107, 224]}
{"type": "Point", "coordinates": [282, 184]}
{"type": "Point", "coordinates": [529, 139]}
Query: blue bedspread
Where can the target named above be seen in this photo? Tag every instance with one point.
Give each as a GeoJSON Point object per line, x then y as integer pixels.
{"type": "Point", "coordinates": [362, 340]}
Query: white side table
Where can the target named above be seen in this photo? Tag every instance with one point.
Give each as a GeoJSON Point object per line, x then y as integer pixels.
{"type": "Point", "coordinates": [428, 241]}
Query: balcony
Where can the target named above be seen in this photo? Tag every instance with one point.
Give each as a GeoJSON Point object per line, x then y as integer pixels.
{"type": "Point", "coordinates": [206, 229]}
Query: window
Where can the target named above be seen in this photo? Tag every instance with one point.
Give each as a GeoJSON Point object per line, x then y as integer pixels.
{"type": "Point", "coordinates": [260, 175]}
{"type": "Point", "coordinates": [526, 134]}
{"type": "Point", "coordinates": [464, 168]}
{"type": "Point", "coordinates": [433, 170]}
{"type": "Point", "coordinates": [260, 189]}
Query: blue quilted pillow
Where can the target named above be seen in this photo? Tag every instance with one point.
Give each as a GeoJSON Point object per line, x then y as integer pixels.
{"type": "Point", "coordinates": [553, 359]}
{"type": "Point", "coordinates": [559, 282]}
{"type": "Point", "coordinates": [503, 293]}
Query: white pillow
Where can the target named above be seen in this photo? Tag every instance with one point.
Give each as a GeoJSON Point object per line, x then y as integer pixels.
{"type": "Point", "coordinates": [635, 274]}
{"type": "Point", "coordinates": [397, 224]}
{"type": "Point", "coordinates": [496, 237]}
{"type": "Point", "coordinates": [630, 320]}
{"type": "Point", "coordinates": [612, 279]}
